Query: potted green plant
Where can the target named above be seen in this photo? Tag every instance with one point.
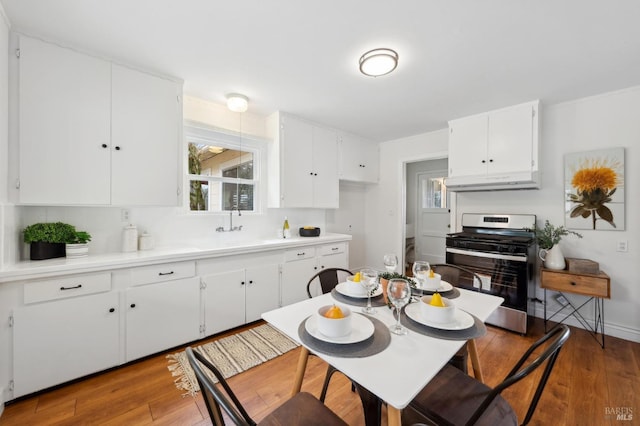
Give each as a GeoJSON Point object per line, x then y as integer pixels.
{"type": "Point", "coordinates": [48, 240]}
{"type": "Point", "coordinates": [548, 239]}
{"type": "Point", "coordinates": [78, 246]}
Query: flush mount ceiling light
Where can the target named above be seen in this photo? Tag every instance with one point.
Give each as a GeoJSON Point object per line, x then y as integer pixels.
{"type": "Point", "coordinates": [378, 62]}
{"type": "Point", "coordinates": [237, 102]}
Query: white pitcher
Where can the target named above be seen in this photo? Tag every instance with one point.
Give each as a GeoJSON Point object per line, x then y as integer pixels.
{"type": "Point", "coordinates": [552, 258]}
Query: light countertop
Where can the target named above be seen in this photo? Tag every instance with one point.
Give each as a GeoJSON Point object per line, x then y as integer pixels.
{"type": "Point", "coordinates": [31, 269]}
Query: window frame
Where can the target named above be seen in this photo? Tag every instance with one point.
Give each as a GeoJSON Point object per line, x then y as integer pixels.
{"type": "Point", "coordinates": [201, 133]}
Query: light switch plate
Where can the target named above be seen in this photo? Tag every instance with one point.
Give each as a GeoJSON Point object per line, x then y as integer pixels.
{"type": "Point", "coordinates": [622, 246]}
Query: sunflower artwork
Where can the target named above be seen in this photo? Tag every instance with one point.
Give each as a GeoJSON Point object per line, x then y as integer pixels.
{"type": "Point", "coordinates": [594, 188]}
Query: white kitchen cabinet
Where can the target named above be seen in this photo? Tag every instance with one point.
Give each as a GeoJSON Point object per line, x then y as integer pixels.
{"type": "Point", "coordinates": [303, 263]}
{"type": "Point", "coordinates": [302, 159]}
{"type": "Point", "coordinates": [358, 159]}
{"type": "Point", "coordinates": [145, 134]}
{"type": "Point", "coordinates": [81, 116]}
{"type": "Point", "coordinates": [161, 315]}
{"type": "Point", "coordinates": [62, 339]}
{"type": "Point", "coordinates": [64, 125]}
{"type": "Point", "coordinates": [237, 297]}
{"type": "Point", "coordinates": [496, 148]}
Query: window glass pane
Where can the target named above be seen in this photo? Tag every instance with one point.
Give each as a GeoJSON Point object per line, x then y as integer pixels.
{"type": "Point", "coordinates": [434, 193]}
{"type": "Point", "coordinates": [230, 196]}
{"type": "Point", "coordinates": [210, 160]}
{"type": "Point", "coordinates": [198, 195]}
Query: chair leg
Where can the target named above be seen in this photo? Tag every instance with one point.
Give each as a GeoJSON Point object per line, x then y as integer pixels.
{"type": "Point", "coordinates": [330, 370]}
{"type": "Point", "coordinates": [475, 361]}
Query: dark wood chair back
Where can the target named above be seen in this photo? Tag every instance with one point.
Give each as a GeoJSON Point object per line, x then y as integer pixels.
{"type": "Point", "coordinates": [454, 398]}
{"type": "Point", "coordinates": [303, 409]}
{"type": "Point", "coordinates": [328, 278]}
{"type": "Point", "coordinates": [455, 275]}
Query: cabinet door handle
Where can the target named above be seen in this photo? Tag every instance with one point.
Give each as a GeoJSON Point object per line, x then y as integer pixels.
{"type": "Point", "coordinates": [71, 288]}
{"type": "Point", "coordinates": [104, 145]}
{"type": "Point", "coordinates": [112, 310]}
{"type": "Point", "coordinates": [242, 283]}
{"type": "Point", "coordinates": [310, 173]}
{"type": "Point", "coordinates": [117, 148]}
{"type": "Point", "coordinates": [491, 160]}
{"type": "Point", "coordinates": [484, 161]}
{"type": "Point", "coordinates": [315, 174]}
{"type": "Point", "coordinates": [250, 281]}
{"type": "Point", "coordinates": [133, 305]}
{"type": "Point", "coordinates": [334, 248]}
{"type": "Point", "coordinates": [301, 254]}
{"type": "Point", "coordinates": [165, 273]}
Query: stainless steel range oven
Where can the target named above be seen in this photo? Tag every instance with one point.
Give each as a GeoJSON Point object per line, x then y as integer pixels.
{"type": "Point", "coordinates": [501, 250]}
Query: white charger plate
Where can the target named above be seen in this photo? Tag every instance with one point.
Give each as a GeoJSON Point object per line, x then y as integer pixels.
{"type": "Point", "coordinates": [444, 287]}
{"type": "Point", "coordinates": [361, 329]}
{"type": "Point", "coordinates": [461, 319]}
{"type": "Point", "coordinates": [342, 289]}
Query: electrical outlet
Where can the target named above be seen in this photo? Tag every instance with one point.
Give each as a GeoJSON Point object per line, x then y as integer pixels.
{"type": "Point", "coordinates": [124, 215]}
{"type": "Point", "coordinates": [562, 300]}
{"type": "Point", "coordinates": [622, 246]}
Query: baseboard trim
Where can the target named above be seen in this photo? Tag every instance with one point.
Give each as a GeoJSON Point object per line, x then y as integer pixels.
{"type": "Point", "coordinates": [614, 330]}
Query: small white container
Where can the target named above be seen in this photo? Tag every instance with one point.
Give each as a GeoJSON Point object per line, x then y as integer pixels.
{"type": "Point", "coordinates": [334, 327]}
{"type": "Point", "coordinates": [432, 284]}
{"type": "Point", "coordinates": [355, 288]}
{"type": "Point", "coordinates": [145, 242]}
{"type": "Point", "coordinates": [129, 238]}
{"type": "Point", "coordinates": [437, 314]}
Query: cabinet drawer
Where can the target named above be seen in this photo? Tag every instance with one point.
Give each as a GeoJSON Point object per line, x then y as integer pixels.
{"type": "Point", "coordinates": [300, 253]}
{"type": "Point", "coordinates": [588, 285]}
{"type": "Point", "coordinates": [68, 286]}
{"type": "Point", "coordinates": [332, 249]}
{"type": "Point", "coordinates": [163, 272]}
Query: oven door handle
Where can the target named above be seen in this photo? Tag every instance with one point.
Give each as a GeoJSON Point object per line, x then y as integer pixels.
{"type": "Point", "coordinates": [487, 255]}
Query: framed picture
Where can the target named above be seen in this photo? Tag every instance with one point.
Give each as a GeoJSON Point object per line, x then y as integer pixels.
{"type": "Point", "coordinates": [594, 190]}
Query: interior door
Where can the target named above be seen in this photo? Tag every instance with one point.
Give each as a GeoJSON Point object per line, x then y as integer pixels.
{"type": "Point", "coordinates": [433, 217]}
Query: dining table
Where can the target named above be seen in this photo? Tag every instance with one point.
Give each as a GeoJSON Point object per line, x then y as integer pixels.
{"type": "Point", "coordinates": [392, 367]}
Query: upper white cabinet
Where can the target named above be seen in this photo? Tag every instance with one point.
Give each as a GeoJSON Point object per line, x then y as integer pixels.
{"type": "Point", "coordinates": [64, 125]}
{"type": "Point", "coordinates": [88, 128]}
{"type": "Point", "coordinates": [145, 134]}
{"type": "Point", "coordinates": [303, 163]}
{"type": "Point", "coordinates": [358, 159]}
{"type": "Point", "coordinates": [495, 150]}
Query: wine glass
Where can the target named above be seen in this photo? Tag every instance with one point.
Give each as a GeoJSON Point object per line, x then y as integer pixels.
{"type": "Point", "coordinates": [421, 270]}
{"type": "Point", "coordinates": [368, 280]}
{"type": "Point", "coordinates": [399, 293]}
{"type": "Point", "coordinates": [390, 262]}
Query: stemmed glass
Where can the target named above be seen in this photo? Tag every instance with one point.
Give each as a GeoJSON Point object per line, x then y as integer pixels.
{"type": "Point", "coordinates": [421, 270]}
{"type": "Point", "coordinates": [390, 262]}
{"type": "Point", "coordinates": [368, 280]}
{"type": "Point", "coordinates": [399, 293]}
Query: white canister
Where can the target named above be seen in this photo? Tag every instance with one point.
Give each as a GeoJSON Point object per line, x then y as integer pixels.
{"type": "Point", "coordinates": [129, 238]}
{"type": "Point", "coordinates": [145, 242]}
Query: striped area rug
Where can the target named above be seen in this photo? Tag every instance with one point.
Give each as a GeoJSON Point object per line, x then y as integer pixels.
{"type": "Point", "coordinates": [231, 355]}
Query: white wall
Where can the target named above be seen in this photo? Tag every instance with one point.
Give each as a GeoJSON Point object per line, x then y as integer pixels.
{"type": "Point", "coordinates": [6, 211]}
{"type": "Point", "coordinates": [385, 202]}
{"type": "Point", "coordinates": [348, 219]}
{"type": "Point", "coordinates": [608, 120]}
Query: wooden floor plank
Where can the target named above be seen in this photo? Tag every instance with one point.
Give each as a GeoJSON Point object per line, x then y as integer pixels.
{"type": "Point", "coordinates": [586, 380]}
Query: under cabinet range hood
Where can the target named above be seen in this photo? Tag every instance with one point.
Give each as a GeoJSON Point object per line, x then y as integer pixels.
{"type": "Point", "coordinates": [520, 180]}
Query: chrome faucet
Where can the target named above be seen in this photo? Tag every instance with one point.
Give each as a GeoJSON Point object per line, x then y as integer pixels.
{"type": "Point", "coordinates": [231, 227]}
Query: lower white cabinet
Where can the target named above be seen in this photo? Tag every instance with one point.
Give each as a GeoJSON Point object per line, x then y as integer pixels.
{"type": "Point", "coordinates": [237, 297]}
{"type": "Point", "coordinates": [160, 316]}
{"type": "Point", "coordinates": [57, 341]}
{"type": "Point", "coordinates": [303, 263]}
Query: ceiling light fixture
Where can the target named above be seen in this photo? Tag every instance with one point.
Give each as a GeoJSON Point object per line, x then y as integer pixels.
{"type": "Point", "coordinates": [378, 62]}
{"type": "Point", "coordinates": [237, 102]}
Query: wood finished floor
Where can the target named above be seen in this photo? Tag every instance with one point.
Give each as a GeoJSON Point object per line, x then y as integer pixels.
{"type": "Point", "coordinates": [586, 381]}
